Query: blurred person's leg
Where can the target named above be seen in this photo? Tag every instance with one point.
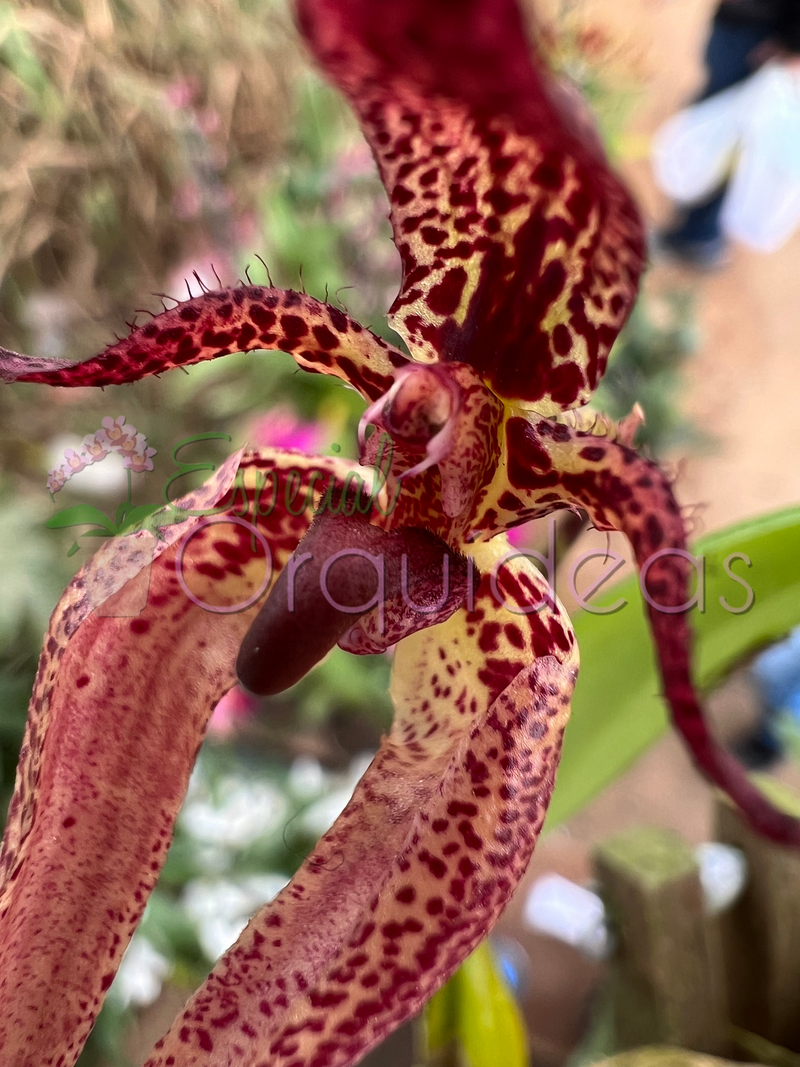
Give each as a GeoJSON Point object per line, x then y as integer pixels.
{"type": "Point", "coordinates": [697, 238]}
{"type": "Point", "coordinates": [776, 674]}
{"type": "Point", "coordinates": [729, 53]}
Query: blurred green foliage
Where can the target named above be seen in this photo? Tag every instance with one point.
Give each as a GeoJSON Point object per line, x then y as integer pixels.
{"type": "Point", "coordinates": [617, 714]}
{"type": "Point", "coordinates": [473, 1017]}
{"type": "Point", "coordinates": [645, 368]}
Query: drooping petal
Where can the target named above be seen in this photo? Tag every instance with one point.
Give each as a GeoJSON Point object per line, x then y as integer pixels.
{"type": "Point", "coordinates": [320, 337]}
{"type": "Point", "coordinates": [521, 250]}
{"type": "Point", "coordinates": [549, 465]}
{"type": "Point", "coordinates": [418, 867]}
{"type": "Point", "coordinates": [121, 702]}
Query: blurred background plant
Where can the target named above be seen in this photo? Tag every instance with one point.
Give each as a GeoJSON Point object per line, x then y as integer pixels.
{"type": "Point", "coordinates": [150, 147]}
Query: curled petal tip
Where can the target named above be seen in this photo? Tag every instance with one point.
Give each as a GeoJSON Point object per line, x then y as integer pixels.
{"type": "Point", "coordinates": [15, 367]}
{"type": "Point", "coordinates": [630, 425]}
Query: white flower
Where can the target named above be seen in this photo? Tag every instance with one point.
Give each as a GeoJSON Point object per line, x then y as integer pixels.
{"type": "Point", "coordinates": [141, 974]}
{"type": "Point", "coordinates": [245, 811]}
{"type": "Point", "coordinates": [307, 778]}
{"type": "Point", "coordinates": [220, 908]}
{"type": "Point", "coordinates": [320, 816]}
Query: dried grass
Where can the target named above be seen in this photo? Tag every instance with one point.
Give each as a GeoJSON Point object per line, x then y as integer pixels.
{"type": "Point", "coordinates": [129, 131]}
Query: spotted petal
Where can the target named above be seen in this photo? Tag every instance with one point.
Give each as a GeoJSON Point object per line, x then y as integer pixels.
{"type": "Point", "coordinates": [320, 337]}
{"type": "Point", "coordinates": [121, 701]}
{"type": "Point", "coordinates": [521, 250]}
{"type": "Point", "coordinates": [422, 861]}
{"type": "Point", "coordinates": [548, 465]}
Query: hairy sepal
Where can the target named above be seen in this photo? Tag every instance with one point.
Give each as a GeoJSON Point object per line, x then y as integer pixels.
{"type": "Point", "coordinates": [521, 250]}
{"type": "Point", "coordinates": [548, 465]}
{"type": "Point", "coordinates": [246, 319]}
{"type": "Point", "coordinates": [14, 366]}
{"type": "Point", "coordinates": [420, 864]}
{"type": "Point", "coordinates": [119, 709]}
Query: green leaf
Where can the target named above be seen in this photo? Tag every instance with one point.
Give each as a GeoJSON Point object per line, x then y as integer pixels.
{"type": "Point", "coordinates": [121, 512]}
{"type": "Point", "coordinates": [134, 515]}
{"type": "Point", "coordinates": [618, 711]}
{"type": "Point", "coordinates": [474, 1016]}
{"type": "Point", "coordinates": [77, 516]}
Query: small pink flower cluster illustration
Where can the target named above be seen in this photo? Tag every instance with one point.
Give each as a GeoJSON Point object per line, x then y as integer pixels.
{"type": "Point", "coordinates": [115, 435]}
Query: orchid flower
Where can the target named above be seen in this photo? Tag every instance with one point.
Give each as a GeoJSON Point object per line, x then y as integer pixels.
{"type": "Point", "coordinates": [521, 255]}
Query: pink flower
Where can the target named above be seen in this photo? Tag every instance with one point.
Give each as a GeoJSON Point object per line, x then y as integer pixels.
{"type": "Point", "coordinates": [182, 93]}
{"type": "Point", "coordinates": [129, 446]}
{"type": "Point", "coordinates": [74, 462]}
{"type": "Point", "coordinates": [115, 432]}
{"type": "Point", "coordinates": [56, 479]}
{"type": "Point", "coordinates": [95, 448]}
{"type": "Point", "coordinates": [231, 711]}
{"type": "Point", "coordinates": [138, 462]}
{"type": "Point", "coordinates": [282, 428]}
{"type": "Point", "coordinates": [209, 263]}
{"type": "Point", "coordinates": [137, 456]}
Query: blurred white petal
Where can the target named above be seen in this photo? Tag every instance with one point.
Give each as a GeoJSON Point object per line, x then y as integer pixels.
{"type": "Point", "coordinates": [220, 908]}
{"type": "Point", "coordinates": [141, 974]}
{"type": "Point", "coordinates": [244, 811]}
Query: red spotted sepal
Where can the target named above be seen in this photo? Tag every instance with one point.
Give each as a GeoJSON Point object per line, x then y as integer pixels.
{"type": "Point", "coordinates": [422, 861]}
{"type": "Point", "coordinates": [140, 649]}
{"type": "Point", "coordinates": [549, 465]}
{"type": "Point", "coordinates": [521, 250]}
{"type": "Point", "coordinates": [250, 318]}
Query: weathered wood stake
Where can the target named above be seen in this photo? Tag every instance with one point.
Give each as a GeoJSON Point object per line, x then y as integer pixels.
{"type": "Point", "coordinates": [761, 932]}
{"type": "Point", "coordinates": [667, 970]}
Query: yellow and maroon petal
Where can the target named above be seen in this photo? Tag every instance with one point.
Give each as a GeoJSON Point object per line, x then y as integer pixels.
{"type": "Point", "coordinates": [251, 318]}
{"type": "Point", "coordinates": [120, 706]}
{"type": "Point", "coordinates": [549, 465]}
{"type": "Point", "coordinates": [422, 861]}
{"type": "Point", "coordinates": [521, 250]}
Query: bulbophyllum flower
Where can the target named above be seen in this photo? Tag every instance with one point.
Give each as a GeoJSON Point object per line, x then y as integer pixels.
{"type": "Point", "coordinates": [521, 256]}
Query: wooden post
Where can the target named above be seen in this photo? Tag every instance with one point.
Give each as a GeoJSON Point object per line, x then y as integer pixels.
{"type": "Point", "coordinates": [762, 930]}
{"type": "Point", "coordinates": [667, 971]}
